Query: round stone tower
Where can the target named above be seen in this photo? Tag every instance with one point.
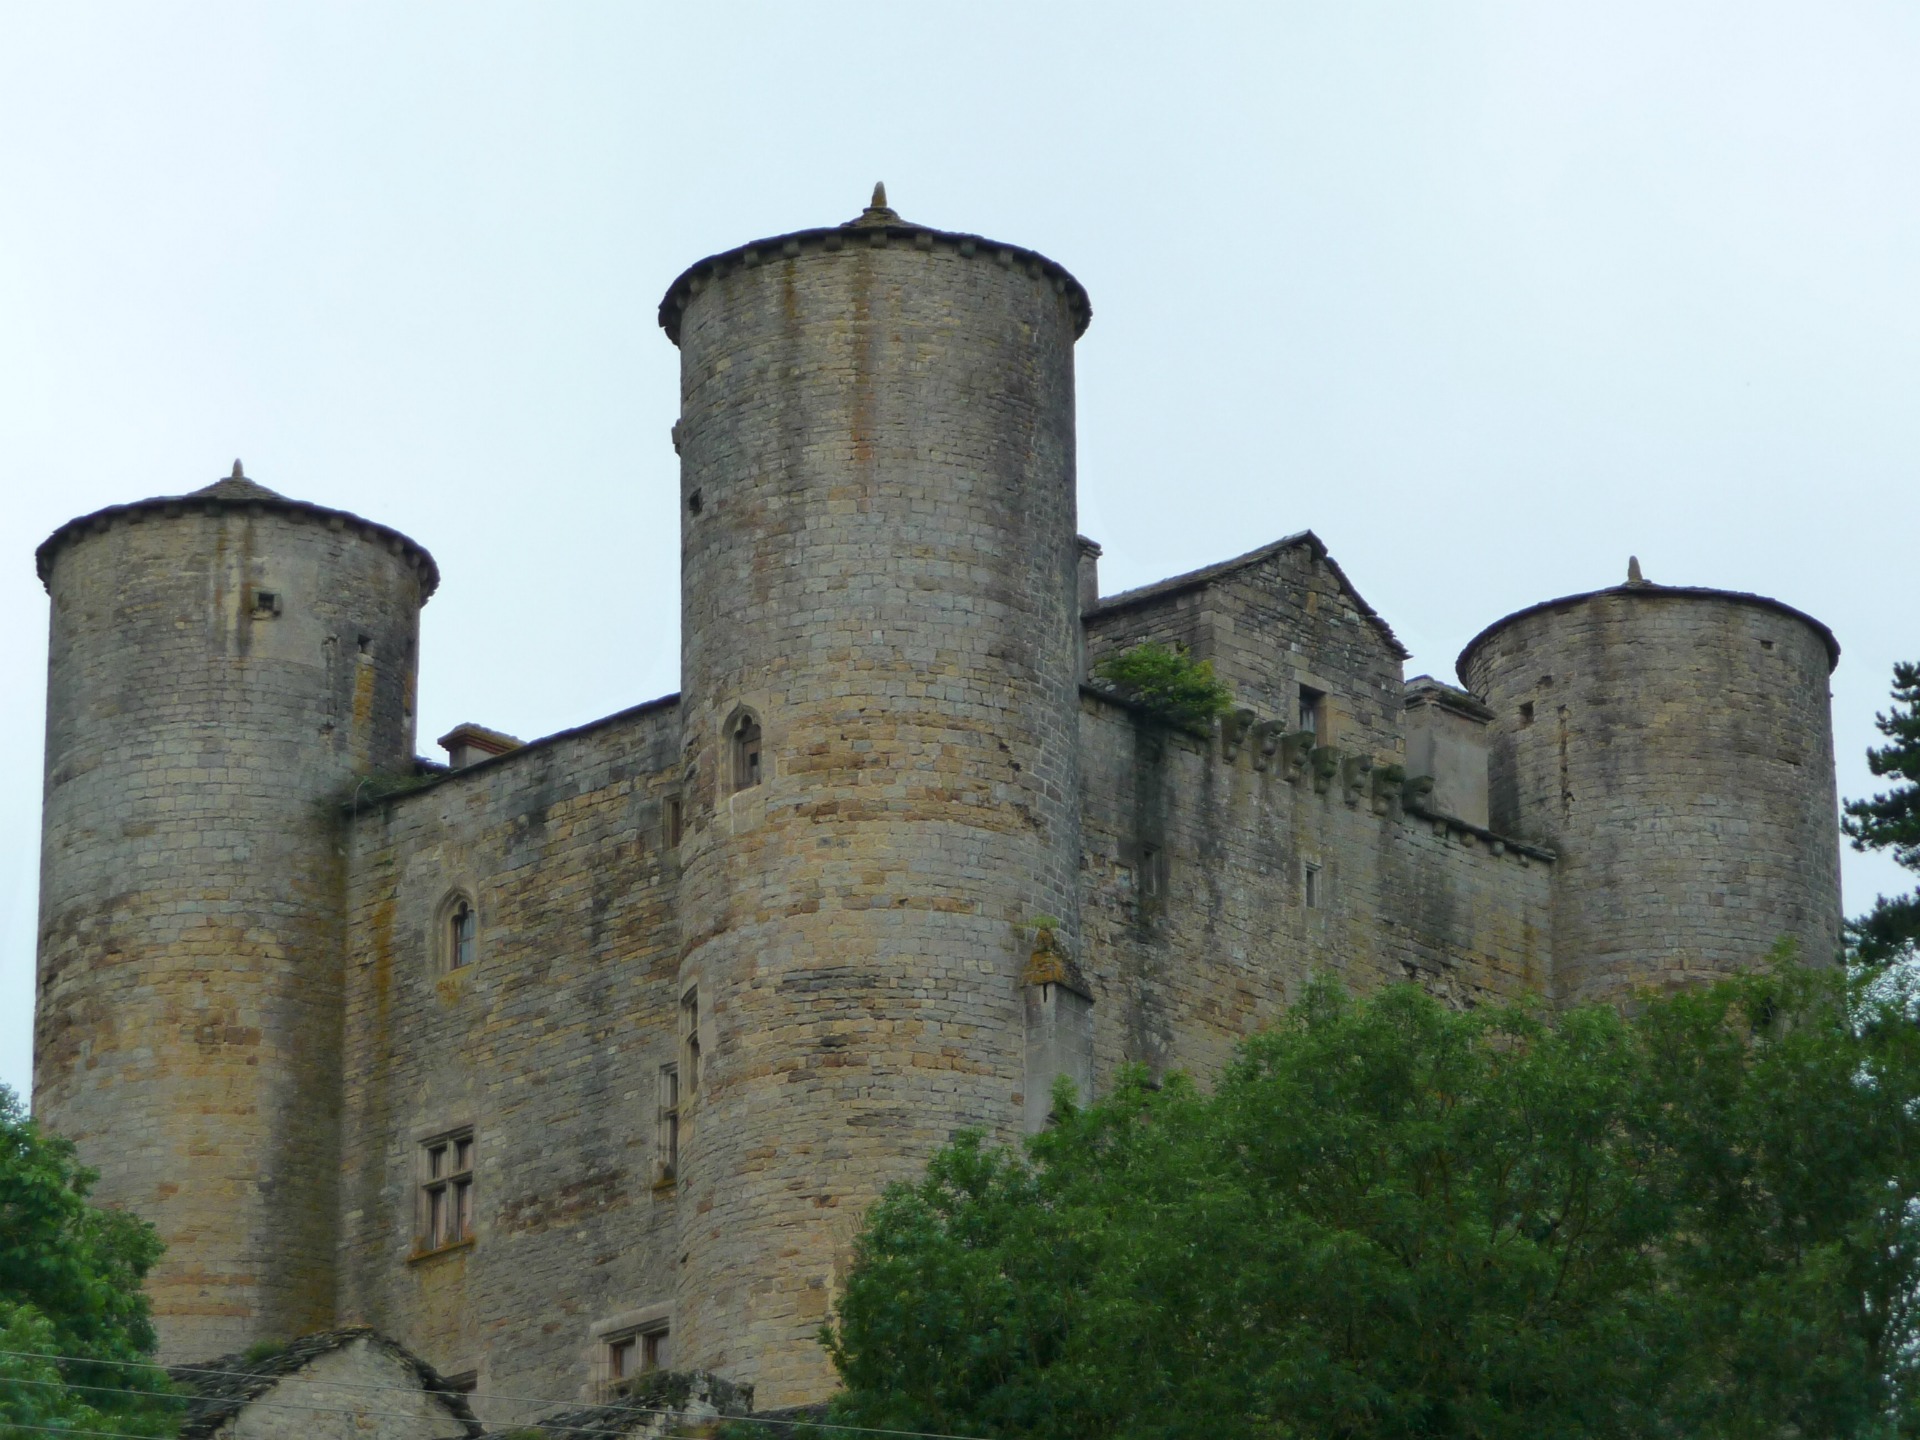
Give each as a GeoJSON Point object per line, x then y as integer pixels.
{"type": "Point", "coordinates": [880, 709]}
{"type": "Point", "coordinates": [225, 668]}
{"type": "Point", "coordinates": [1675, 746]}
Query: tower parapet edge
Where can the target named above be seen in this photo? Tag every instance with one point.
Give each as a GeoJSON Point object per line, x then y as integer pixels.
{"type": "Point", "coordinates": [1674, 744]}
{"type": "Point", "coordinates": [224, 666]}
{"type": "Point", "coordinates": [879, 595]}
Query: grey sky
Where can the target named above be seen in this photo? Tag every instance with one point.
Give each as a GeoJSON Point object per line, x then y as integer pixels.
{"type": "Point", "coordinates": [1487, 295]}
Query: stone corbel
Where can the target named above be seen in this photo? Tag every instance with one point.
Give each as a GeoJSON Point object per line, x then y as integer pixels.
{"type": "Point", "coordinates": [1354, 770]}
{"type": "Point", "coordinates": [1324, 764]}
{"type": "Point", "coordinates": [1050, 964]}
{"type": "Point", "coordinates": [1417, 794]}
{"type": "Point", "coordinates": [1388, 781]}
{"type": "Point", "coordinates": [1234, 726]}
{"type": "Point", "coordinates": [1260, 742]}
{"type": "Point", "coordinates": [1295, 751]}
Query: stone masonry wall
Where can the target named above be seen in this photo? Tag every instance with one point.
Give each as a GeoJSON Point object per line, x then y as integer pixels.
{"type": "Point", "coordinates": [548, 1046]}
{"type": "Point", "coordinates": [1282, 620]}
{"type": "Point", "coordinates": [879, 566]}
{"type": "Point", "coordinates": [1197, 923]}
{"type": "Point", "coordinates": [199, 742]}
{"type": "Point", "coordinates": [1676, 747]}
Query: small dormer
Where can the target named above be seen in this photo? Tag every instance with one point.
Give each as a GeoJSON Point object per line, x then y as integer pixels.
{"type": "Point", "coordinates": [470, 744]}
{"type": "Point", "coordinates": [1446, 733]}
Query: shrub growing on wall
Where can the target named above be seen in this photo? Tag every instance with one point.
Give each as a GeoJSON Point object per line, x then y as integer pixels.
{"type": "Point", "coordinates": [1167, 682]}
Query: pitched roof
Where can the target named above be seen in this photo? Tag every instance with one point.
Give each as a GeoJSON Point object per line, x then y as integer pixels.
{"type": "Point", "coordinates": [238, 491]}
{"type": "Point", "coordinates": [224, 1386]}
{"type": "Point", "coordinates": [1206, 575]}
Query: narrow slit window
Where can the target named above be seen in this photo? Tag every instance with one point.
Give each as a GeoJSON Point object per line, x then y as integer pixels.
{"type": "Point", "coordinates": [690, 1040]}
{"type": "Point", "coordinates": [461, 925]}
{"type": "Point", "coordinates": [674, 821]}
{"type": "Point", "coordinates": [1310, 884]}
{"type": "Point", "coordinates": [669, 1140]}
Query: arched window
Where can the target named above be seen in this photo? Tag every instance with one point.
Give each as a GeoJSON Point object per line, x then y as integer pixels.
{"type": "Point", "coordinates": [743, 733]}
{"type": "Point", "coordinates": [458, 943]}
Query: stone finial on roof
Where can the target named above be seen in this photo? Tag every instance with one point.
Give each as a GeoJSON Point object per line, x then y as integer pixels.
{"type": "Point", "coordinates": [238, 473]}
{"type": "Point", "coordinates": [876, 213]}
{"type": "Point", "coordinates": [1634, 577]}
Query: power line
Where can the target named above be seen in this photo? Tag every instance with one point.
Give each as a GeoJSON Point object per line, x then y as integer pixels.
{"type": "Point", "coordinates": [560, 1406]}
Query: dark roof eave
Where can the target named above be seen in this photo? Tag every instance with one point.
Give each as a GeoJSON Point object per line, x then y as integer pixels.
{"type": "Point", "coordinates": [837, 237]}
{"type": "Point", "coordinates": [101, 519]}
{"type": "Point", "coordinates": [1648, 591]}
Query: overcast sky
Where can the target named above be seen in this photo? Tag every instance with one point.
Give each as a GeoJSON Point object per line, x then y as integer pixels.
{"type": "Point", "coordinates": [1489, 296]}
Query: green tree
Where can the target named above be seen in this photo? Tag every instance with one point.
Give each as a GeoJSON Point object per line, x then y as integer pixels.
{"type": "Point", "coordinates": [1168, 683]}
{"type": "Point", "coordinates": [75, 1335]}
{"type": "Point", "coordinates": [1394, 1220]}
{"type": "Point", "coordinates": [1891, 930]}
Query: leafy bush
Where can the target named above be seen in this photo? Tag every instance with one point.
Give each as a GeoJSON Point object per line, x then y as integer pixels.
{"type": "Point", "coordinates": [1395, 1220]}
{"type": "Point", "coordinates": [73, 1320]}
{"type": "Point", "coordinates": [1165, 680]}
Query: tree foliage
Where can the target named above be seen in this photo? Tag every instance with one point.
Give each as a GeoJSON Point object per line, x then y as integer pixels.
{"type": "Point", "coordinates": [1891, 821]}
{"type": "Point", "coordinates": [1163, 679]}
{"type": "Point", "coordinates": [1395, 1220]}
{"type": "Point", "coordinates": [74, 1324]}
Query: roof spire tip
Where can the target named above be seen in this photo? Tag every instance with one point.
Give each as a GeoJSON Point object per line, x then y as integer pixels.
{"type": "Point", "coordinates": [1634, 577]}
{"type": "Point", "coordinates": [879, 195]}
{"type": "Point", "coordinates": [238, 473]}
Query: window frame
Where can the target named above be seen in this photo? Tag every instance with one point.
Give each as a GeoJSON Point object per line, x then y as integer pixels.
{"type": "Point", "coordinates": [667, 1135]}
{"type": "Point", "coordinates": [448, 941]}
{"type": "Point", "coordinates": [444, 1208]}
{"type": "Point", "coordinates": [690, 1051]}
{"type": "Point", "coordinates": [746, 741]}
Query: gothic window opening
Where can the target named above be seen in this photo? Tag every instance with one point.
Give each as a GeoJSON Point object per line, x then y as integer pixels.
{"type": "Point", "coordinates": [744, 734]}
{"type": "Point", "coordinates": [461, 925]}
{"type": "Point", "coordinates": [457, 941]}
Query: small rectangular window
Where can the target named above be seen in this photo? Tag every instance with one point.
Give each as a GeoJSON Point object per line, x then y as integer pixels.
{"type": "Point", "coordinates": [1310, 877]}
{"type": "Point", "coordinates": [266, 604]}
{"type": "Point", "coordinates": [1313, 712]}
{"type": "Point", "coordinates": [673, 821]}
{"type": "Point", "coordinates": [627, 1355]}
{"type": "Point", "coordinates": [446, 1191]}
{"type": "Point", "coordinates": [1526, 713]}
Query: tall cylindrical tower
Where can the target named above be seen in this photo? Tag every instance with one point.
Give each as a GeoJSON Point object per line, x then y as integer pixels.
{"type": "Point", "coordinates": [225, 667]}
{"type": "Point", "coordinates": [881, 710]}
{"type": "Point", "coordinates": [1675, 746]}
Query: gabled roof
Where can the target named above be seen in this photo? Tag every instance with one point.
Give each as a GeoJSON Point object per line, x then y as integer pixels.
{"type": "Point", "coordinates": [1201, 578]}
{"type": "Point", "coordinates": [223, 1387]}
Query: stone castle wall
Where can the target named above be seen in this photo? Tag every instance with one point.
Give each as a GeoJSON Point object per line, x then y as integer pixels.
{"type": "Point", "coordinates": [1676, 747]}
{"type": "Point", "coordinates": [199, 738]}
{"type": "Point", "coordinates": [547, 1047]}
{"type": "Point", "coordinates": [255, 1018]}
{"type": "Point", "coordinates": [878, 568]}
{"type": "Point", "coordinates": [1197, 919]}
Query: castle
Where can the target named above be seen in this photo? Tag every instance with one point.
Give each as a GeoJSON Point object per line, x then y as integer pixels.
{"type": "Point", "coordinates": [580, 1057]}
